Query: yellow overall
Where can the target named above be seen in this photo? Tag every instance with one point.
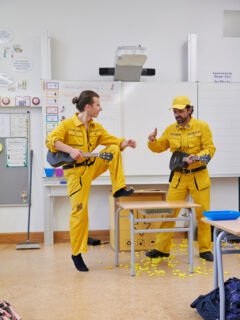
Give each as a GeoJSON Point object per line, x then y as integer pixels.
{"type": "Point", "coordinates": [72, 132]}
{"type": "Point", "coordinates": [195, 138]}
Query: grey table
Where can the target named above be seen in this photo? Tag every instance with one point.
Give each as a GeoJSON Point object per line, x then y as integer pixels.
{"type": "Point", "coordinates": [146, 205]}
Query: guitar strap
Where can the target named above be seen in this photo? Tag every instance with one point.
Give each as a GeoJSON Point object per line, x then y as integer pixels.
{"type": "Point", "coordinates": [87, 163]}
{"type": "Point", "coordinates": [183, 170]}
{"type": "Point", "coordinates": [171, 176]}
{"type": "Point", "coordinates": [90, 163]}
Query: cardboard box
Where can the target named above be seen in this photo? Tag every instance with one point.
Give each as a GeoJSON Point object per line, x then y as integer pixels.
{"type": "Point", "coordinates": [143, 241]}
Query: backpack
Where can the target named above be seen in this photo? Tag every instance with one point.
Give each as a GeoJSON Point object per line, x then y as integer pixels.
{"type": "Point", "coordinates": [7, 312]}
{"type": "Point", "coordinates": [208, 305]}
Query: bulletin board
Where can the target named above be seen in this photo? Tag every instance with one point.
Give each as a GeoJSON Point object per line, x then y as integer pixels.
{"type": "Point", "coordinates": [14, 146]}
{"type": "Point", "coordinates": [57, 105]}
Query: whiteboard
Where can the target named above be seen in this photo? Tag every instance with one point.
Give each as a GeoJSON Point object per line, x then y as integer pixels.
{"type": "Point", "coordinates": [219, 106]}
{"type": "Point", "coordinates": [57, 105]}
{"type": "Point", "coordinates": [145, 107]}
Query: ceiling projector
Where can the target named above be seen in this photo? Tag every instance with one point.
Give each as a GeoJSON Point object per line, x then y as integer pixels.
{"type": "Point", "coordinates": [129, 61]}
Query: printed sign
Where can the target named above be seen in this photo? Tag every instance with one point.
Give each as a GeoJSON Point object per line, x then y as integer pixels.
{"type": "Point", "coordinates": [23, 101]}
{"type": "Point", "coordinates": [52, 110]}
{"type": "Point", "coordinates": [22, 65]}
{"type": "Point", "coordinates": [52, 93]}
{"type": "Point", "coordinates": [51, 125]}
{"type": "Point", "coordinates": [51, 118]}
{"type": "Point", "coordinates": [222, 77]}
{"type": "Point", "coordinates": [51, 85]}
{"type": "Point", "coordinates": [52, 102]}
{"type": "Point", "coordinates": [16, 152]}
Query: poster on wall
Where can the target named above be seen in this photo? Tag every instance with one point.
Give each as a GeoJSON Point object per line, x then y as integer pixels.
{"type": "Point", "coordinates": [18, 125]}
{"type": "Point", "coordinates": [20, 69]}
{"type": "Point", "coordinates": [16, 152]}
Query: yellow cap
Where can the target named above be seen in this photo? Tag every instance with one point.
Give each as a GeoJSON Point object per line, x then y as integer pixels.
{"type": "Point", "coordinates": [180, 102]}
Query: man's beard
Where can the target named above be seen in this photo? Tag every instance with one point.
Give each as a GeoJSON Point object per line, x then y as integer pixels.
{"type": "Point", "coordinates": [180, 120]}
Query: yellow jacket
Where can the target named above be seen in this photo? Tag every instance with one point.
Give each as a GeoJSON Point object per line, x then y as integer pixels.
{"type": "Point", "coordinates": [195, 138]}
{"type": "Point", "coordinates": [73, 133]}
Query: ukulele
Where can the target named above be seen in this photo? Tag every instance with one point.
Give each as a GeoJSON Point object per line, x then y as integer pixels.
{"type": "Point", "coordinates": [178, 160]}
{"type": "Point", "coordinates": [59, 158]}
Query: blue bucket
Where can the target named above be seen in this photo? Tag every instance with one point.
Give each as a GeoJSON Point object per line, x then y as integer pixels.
{"type": "Point", "coordinates": [49, 172]}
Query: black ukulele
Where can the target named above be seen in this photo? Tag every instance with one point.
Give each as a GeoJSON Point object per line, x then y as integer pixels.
{"type": "Point", "coordinates": [178, 160]}
{"type": "Point", "coordinates": [57, 159]}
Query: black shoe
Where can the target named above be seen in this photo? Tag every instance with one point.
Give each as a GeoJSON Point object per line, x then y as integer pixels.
{"type": "Point", "coordinates": [79, 263]}
{"type": "Point", "coordinates": [207, 255]}
{"type": "Point", "coordinates": [93, 242]}
{"type": "Point", "coordinates": [155, 254]}
{"type": "Point", "coordinates": [123, 192]}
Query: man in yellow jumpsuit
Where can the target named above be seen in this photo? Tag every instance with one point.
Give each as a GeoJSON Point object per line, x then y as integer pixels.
{"type": "Point", "coordinates": [81, 134]}
{"type": "Point", "coordinates": [191, 136]}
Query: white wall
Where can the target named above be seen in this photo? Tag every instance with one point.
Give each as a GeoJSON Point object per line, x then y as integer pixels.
{"type": "Point", "coordinates": [85, 35]}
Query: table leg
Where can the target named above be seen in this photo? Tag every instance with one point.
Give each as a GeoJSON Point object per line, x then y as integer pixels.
{"type": "Point", "coordinates": [132, 242]}
{"type": "Point", "coordinates": [215, 257]}
{"type": "Point", "coordinates": [117, 237]}
{"type": "Point", "coordinates": [49, 205]}
{"type": "Point", "coordinates": [190, 240]}
{"type": "Point", "coordinates": [220, 275]}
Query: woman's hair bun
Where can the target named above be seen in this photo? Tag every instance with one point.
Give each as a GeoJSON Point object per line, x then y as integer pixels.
{"type": "Point", "coordinates": [75, 100]}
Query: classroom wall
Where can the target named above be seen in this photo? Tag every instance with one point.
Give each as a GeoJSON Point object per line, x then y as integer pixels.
{"type": "Point", "coordinates": [85, 35]}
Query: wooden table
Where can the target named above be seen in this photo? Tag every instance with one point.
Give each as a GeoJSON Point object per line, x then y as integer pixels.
{"type": "Point", "coordinates": [221, 229]}
{"type": "Point", "coordinates": [146, 205]}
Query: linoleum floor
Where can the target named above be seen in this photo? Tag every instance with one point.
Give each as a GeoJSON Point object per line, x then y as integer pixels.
{"type": "Point", "coordinates": [44, 285]}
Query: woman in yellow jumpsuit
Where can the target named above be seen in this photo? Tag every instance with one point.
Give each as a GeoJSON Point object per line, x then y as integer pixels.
{"type": "Point", "coordinates": [193, 137]}
{"type": "Point", "coordinates": [81, 133]}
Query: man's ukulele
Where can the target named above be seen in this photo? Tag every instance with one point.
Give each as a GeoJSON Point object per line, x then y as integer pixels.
{"type": "Point", "coordinates": [178, 160]}
{"type": "Point", "coordinates": [57, 159]}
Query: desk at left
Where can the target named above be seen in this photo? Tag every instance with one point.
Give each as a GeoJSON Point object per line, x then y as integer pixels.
{"type": "Point", "coordinates": [54, 188]}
